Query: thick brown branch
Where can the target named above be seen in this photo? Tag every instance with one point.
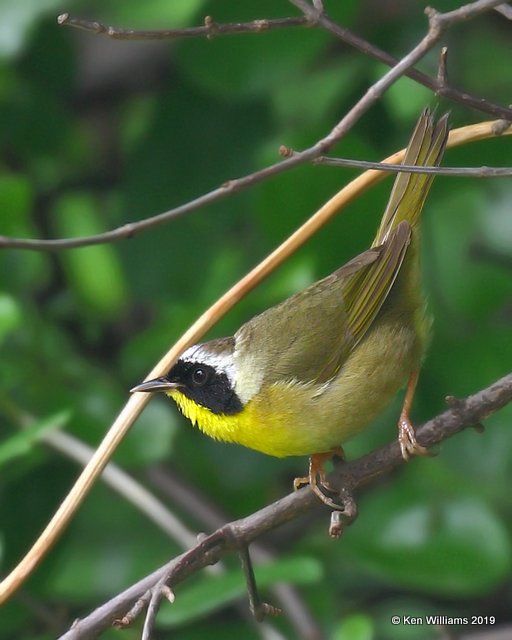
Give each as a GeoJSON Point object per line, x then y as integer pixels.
{"type": "Point", "coordinates": [470, 411]}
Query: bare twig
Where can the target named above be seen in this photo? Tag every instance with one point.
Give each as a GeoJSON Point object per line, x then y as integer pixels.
{"type": "Point", "coordinates": [461, 172]}
{"type": "Point", "coordinates": [187, 497]}
{"type": "Point", "coordinates": [210, 28]}
{"type": "Point", "coordinates": [313, 16]}
{"type": "Point", "coordinates": [450, 93]}
{"type": "Point", "coordinates": [438, 23]}
{"type": "Point", "coordinates": [152, 610]}
{"type": "Point", "coordinates": [352, 475]}
{"type": "Point", "coordinates": [130, 616]}
{"type": "Point", "coordinates": [457, 137]}
{"type": "Point", "coordinates": [442, 69]}
{"type": "Point", "coordinates": [259, 609]}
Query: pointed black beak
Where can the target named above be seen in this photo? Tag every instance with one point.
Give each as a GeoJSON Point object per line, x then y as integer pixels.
{"type": "Point", "coordinates": [157, 384]}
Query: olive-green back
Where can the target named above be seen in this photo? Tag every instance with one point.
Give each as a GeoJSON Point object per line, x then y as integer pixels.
{"type": "Point", "coordinates": [309, 336]}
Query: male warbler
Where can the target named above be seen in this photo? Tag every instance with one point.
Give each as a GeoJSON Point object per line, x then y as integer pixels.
{"type": "Point", "coordinates": [309, 373]}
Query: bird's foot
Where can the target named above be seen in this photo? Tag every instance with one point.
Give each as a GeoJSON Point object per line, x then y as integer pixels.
{"type": "Point", "coordinates": [317, 479]}
{"type": "Point", "coordinates": [409, 446]}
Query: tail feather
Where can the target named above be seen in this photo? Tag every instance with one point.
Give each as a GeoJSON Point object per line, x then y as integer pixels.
{"type": "Point", "coordinates": [426, 148]}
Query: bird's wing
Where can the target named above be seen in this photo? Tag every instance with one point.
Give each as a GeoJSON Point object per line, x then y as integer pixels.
{"type": "Point", "coordinates": [364, 294]}
{"type": "Point", "coordinates": [309, 336]}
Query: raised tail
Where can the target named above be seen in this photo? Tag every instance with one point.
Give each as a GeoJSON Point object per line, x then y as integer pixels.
{"type": "Point", "coordinates": [426, 148]}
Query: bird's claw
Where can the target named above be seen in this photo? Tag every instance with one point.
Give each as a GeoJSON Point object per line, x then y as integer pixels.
{"type": "Point", "coordinates": [409, 446]}
{"type": "Point", "coordinates": [317, 480]}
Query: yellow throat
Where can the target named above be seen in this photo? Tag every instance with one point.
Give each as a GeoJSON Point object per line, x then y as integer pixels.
{"type": "Point", "coordinates": [218, 426]}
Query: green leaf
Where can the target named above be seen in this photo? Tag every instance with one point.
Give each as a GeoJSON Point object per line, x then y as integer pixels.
{"type": "Point", "coordinates": [10, 315]}
{"type": "Point", "coordinates": [94, 272]}
{"type": "Point", "coordinates": [357, 626]}
{"type": "Point", "coordinates": [211, 593]}
{"type": "Point", "coordinates": [16, 201]}
{"type": "Point", "coordinates": [450, 547]}
{"type": "Point", "coordinates": [22, 443]}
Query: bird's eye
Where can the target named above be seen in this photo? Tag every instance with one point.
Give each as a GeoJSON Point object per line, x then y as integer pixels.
{"type": "Point", "coordinates": [199, 376]}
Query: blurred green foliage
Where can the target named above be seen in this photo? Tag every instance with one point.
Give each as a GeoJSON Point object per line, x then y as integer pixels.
{"type": "Point", "coordinates": [97, 133]}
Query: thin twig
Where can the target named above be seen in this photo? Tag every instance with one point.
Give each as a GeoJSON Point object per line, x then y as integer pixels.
{"type": "Point", "coordinates": [210, 28]}
{"type": "Point", "coordinates": [442, 69]}
{"type": "Point", "coordinates": [461, 172]}
{"type": "Point", "coordinates": [227, 537]}
{"type": "Point", "coordinates": [457, 137]}
{"type": "Point", "coordinates": [314, 16]}
{"type": "Point", "coordinates": [438, 23]}
{"type": "Point", "coordinates": [365, 47]}
{"type": "Point", "coordinates": [151, 613]}
{"type": "Point", "coordinates": [186, 497]}
{"type": "Point", "coordinates": [352, 475]}
{"type": "Point", "coordinates": [259, 609]}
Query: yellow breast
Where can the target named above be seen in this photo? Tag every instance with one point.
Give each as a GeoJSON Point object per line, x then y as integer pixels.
{"type": "Point", "coordinates": [250, 427]}
{"type": "Point", "coordinates": [275, 423]}
{"type": "Point", "coordinates": [292, 418]}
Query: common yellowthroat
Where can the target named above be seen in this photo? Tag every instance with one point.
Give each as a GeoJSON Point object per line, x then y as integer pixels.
{"type": "Point", "coordinates": [309, 373]}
